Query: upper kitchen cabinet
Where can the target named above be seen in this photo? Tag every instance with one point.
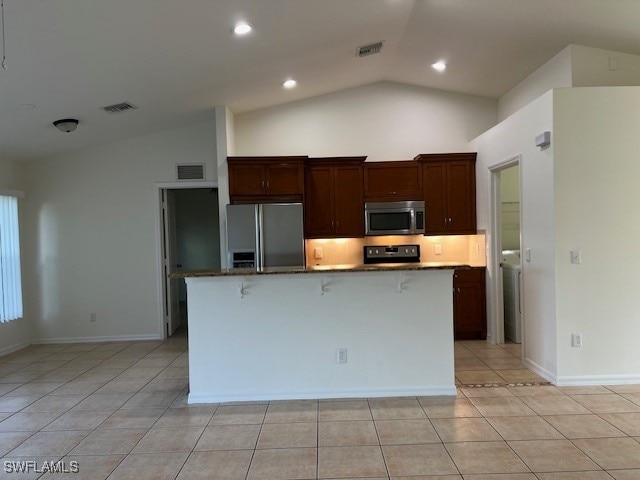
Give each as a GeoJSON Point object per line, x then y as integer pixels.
{"type": "Point", "coordinates": [266, 179]}
{"type": "Point", "coordinates": [334, 202]}
{"type": "Point", "coordinates": [389, 181]}
{"type": "Point", "coordinates": [449, 193]}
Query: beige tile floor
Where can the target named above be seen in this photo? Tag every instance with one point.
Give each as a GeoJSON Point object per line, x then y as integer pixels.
{"type": "Point", "coordinates": [481, 363]}
{"type": "Point", "coordinates": [119, 410]}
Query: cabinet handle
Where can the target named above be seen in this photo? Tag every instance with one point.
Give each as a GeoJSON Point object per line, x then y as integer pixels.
{"type": "Point", "coordinates": [337, 225]}
{"type": "Point", "coordinates": [449, 220]}
{"type": "Point", "coordinates": [262, 183]}
{"type": "Point", "coordinates": [268, 187]}
{"type": "Point", "coordinates": [393, 193]}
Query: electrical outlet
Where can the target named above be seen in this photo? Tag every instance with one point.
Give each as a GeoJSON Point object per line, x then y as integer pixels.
{"type": "Point", "coordinates": [341, 356]}
{"type": "Point", "coordinates": [576, 340]}
{"type": "Point", "coordinates": [317, 253]}
{"type": "Point", "coordinates": [93, 317]}
{"type": "Point", "coordinates": [437, 249]}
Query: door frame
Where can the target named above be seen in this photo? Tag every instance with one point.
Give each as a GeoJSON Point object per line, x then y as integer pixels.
{"type": "Point", "coordinates": [160, 283]}
{"type": "Point", "coordinates": [496, 298]}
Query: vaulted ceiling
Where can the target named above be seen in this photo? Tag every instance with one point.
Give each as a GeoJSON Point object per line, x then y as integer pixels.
{"type": "Point", "coordinates": [176, 60]}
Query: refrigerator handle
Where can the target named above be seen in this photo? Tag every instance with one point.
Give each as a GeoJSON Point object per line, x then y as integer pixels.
{"type": "Point", "coordinates": [259, 237]}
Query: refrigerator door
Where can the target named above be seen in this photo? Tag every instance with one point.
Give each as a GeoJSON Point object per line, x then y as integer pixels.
{"type": "Point", "coordinates": [242, 231]}
{"type": "Point", "coordinates": [282, 235]}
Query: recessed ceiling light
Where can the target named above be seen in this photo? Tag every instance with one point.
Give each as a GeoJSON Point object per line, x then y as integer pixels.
{"type": "Point", "coordinates": [439, 66]}
{"type": "Point", "coordinates": [25, 106]}
{"type": "Point", "coordinates": [242, 28]}
{"type": "Point", "coordinates": [291, 83]}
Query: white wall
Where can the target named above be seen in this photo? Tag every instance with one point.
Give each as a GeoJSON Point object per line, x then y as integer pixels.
{"type": "Point", "coordinates": [225, 146]}
{"type": "Point", "coordinates": [385, 121]}
{"type": "Point", "coordinates": [515, 136]}
{"type": "Point", "coordinates": [597, 167]}
{"type": "Point", "coordinates": [590, 67]}
{"type": "Point", "coordinates": [553, 74]}
{"type": "Point", "coordinates": [91, 228]}
{"type": "Point", "coordinates": [15, 335]}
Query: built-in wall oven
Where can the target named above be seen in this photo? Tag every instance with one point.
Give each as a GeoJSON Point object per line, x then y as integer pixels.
{"type": "Point", "coordinates": [394, 218]}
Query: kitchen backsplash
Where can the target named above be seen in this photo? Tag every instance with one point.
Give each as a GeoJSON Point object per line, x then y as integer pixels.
{"type": "Point", "coordinates": [466, 249]}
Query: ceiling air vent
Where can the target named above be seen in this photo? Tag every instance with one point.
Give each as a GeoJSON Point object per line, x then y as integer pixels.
{"type": "Point", "coordinates": [366, 50]}
{"type": "Point", "coordinates": [190, 171]}
{"type": "Point", "coordinates": [119, 107]}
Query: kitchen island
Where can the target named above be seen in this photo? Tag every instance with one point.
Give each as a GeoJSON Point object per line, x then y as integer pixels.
{"type": "Point", "coordinates": [280, 333]}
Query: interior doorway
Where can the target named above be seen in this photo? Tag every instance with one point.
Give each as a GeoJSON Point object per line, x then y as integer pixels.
{"type": "Point", "coordinates": [190, 241]}
{"type": "Point", "coordinates": [510, 249]}
{"type": "Point", "coordinates": [506, 261]}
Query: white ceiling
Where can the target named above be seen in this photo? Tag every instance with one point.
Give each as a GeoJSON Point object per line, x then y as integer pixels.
{"type": "Point", "coordinates": [176, 59]}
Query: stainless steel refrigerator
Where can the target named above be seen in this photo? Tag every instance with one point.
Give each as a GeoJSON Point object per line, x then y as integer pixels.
{"type": "Point", "coordinates": [265, 235]}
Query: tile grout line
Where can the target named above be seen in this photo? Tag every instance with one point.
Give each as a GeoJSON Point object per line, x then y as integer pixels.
{"type": "Point", "coordinates": [375, 427]}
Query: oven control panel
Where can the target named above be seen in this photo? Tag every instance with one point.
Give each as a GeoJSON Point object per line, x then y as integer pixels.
{"type": "Point", "coordinates": [391, 254]}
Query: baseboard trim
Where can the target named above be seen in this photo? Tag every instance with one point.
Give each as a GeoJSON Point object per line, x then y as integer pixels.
{"type": "Point", "coordinates": [14, 348]}
{"type": "Point", "coordinates": [449, 390]}
{"type": "Point", "coordinates": [107, 338]}
{"type": "Point", "coordinates": [586, 380]}
{"type": "Point", "coordinates": [543, 372]}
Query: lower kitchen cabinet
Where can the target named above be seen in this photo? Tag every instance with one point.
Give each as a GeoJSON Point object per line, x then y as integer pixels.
{"type": "Point", "coordinates": [469, 304]}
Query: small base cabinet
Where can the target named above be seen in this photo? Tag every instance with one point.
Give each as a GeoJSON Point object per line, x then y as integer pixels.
{"type": "Point", "coordinates": [469, 304]}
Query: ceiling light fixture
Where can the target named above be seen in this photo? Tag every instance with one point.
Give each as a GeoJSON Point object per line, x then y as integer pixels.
{"type": "Point", "coordinates": [242, 28]}
{"type": "Point", "coordinates": [291, 83]}
{"type": "Point", "coordinates": [66, 125]}
{"type": "Point", "coordinates": [439, 66]}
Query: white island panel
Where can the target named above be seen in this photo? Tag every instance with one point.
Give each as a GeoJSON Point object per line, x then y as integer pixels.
{"type": "Point", "coordinates": [279, 339]}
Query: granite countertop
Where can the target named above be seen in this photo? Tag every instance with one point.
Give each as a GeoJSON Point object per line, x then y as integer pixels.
{"type": "Point", "coordinates": [381, 267]}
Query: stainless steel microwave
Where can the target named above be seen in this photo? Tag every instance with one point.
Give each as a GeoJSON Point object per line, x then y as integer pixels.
{"type": "Point", "coordinates": [394, 218]}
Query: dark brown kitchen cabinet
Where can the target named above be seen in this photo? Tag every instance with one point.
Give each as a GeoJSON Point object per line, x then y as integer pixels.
{"type": "Point", "coordinates": [334, 204]}
{"type": "Point", "coordinates": [469, 304]}
{"type": "Point", "coordinates": [389, 181]}
{"type": "Point", "coordinates": [266, 179]}
{"type": "Point", "coordinates": [449, 182]}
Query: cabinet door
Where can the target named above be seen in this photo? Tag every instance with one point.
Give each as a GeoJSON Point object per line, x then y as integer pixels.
{"type": "Point", "coordinates": [285, 179]}
{"type": "Point", "coordinates": [319, 202]}
{"type": "Point", "coordinates": [349, 201]}
{"type": "Point", "coordinates": [469, 310]}
{"type": "Point", "coordinates": [388, 181]}
{"type": "Point", "coordinates": [461, 205]}
{"type": "Point", "coordinates": [435, 198]}
{"type": "Point", "coordinates": [246, 179]}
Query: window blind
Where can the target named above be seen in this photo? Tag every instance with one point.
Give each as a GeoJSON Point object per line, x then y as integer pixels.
{"type": "Point", "coordinates": [10, 280]}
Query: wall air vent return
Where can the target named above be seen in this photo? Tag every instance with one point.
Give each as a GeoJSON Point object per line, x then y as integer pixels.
{"type": "Point", "coordinates": [119, 107]}
{"type": "Point", "coordinates": [366, 50]}
{"type": "Point", "coordinates": [190, 171]}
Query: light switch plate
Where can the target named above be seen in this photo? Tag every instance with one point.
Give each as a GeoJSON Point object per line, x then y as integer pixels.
{"type": "Point", "coordinates": [576, 257]}
{"type": "Point", "coordinates": [437, 249]}
{"type": "Point", "coordinates": [527, 254]}
{"type": "Point", "coordinates": [317, 253]}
